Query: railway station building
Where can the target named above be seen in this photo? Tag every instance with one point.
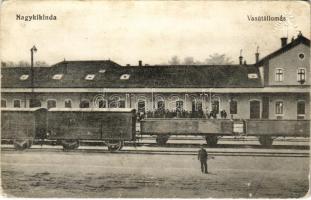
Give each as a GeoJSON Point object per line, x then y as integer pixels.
{"type": "Point", "coordinates": [276, 86]}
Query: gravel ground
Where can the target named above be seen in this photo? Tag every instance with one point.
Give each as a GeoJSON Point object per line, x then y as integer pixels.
{"type": "Point", "coordinates": [72, 174]}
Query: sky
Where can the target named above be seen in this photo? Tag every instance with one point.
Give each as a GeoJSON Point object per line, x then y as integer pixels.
{"type": "Point", "coordinates": [151, 31]}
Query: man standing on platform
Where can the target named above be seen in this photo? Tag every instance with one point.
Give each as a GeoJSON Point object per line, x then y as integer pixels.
{"type": "Point", "coordinates": [202, 156]}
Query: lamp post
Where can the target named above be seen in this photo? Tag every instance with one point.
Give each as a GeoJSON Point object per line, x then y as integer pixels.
{"type": "Point", "coordinates": [32, 50]}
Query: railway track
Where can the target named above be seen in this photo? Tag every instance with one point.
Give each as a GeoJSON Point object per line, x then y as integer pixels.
{"type": "Point", "coordinates": [195, 142]}
{"type": "Point", "coordinates": [170, 151]}
{"type": "Point", "coordinates": [227, 138]}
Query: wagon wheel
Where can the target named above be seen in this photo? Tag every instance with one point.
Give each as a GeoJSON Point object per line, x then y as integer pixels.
{"type": "Point", "coordinates": [70, 144]}
{"type": "Point", "coordinates": [265, 141]}
{"type": "Point", "coordinates": [114, 145]}
{"type": "Point", "coordinates": [162, 139]}
{"type": "Point", "coordinates": [211, 140]}
{"type": "Point", "coordinates": [20, 144]}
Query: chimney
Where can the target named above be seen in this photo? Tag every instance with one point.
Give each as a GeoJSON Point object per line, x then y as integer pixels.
{"type": "Point", "coordinates": [257, 55]}
{"type": "Point", "coordinates": [240, 57]}
{"type": "Point", "coordinates": [140, 63]}
{"type": "Point", "coordinates": [284, 41]}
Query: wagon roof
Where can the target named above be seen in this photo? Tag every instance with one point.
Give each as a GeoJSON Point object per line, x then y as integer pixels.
{"type": "Point", "coordinates": [23, 109]}
{"type": "Point", "coordinates": [91, 109]}
{"type": "Point", "coordinates": [104, 74]}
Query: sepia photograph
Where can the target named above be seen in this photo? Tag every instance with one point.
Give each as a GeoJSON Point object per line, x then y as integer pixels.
{"type": "Point", "coordinates": [155, 99]}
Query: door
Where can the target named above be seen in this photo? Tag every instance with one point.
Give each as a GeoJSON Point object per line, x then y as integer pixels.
{"type": "Point", "coordinates": [254, 109]}
{"type": "Point", "coordinates": [265, 108]}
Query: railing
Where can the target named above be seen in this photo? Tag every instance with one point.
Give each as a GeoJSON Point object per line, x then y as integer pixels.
{"type": "Point", "coordinates": [180, 114]}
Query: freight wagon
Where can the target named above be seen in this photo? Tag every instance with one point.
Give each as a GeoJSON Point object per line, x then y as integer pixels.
{"type": "Point", "coordinates": [112, 125]}
{"type": "Point", "coordinates": [213, 129]}
{"type": "Point", "coordinates": [68, 126]}
{"type": "Point", "coordinates": [23, 125]}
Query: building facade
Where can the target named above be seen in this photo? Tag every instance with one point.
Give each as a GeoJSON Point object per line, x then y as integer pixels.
{"type": "Point", "coordinates": [275, 87]}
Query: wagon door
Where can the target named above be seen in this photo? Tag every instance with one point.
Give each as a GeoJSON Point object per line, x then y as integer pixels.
{"type": "Point", "coordinates": [254, 109]}
{"type": "Point", "coordinates": [41, 119]}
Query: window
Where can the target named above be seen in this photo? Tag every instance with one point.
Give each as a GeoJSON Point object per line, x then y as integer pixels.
{"type": "Point", "coordinates": [121, 104]}
{"type": "Point", "coordinates": [16, 103]}
{"type": "Point", "coordinates": [90, 77]}
{"type": "Point", "coordinates": [215, 106]}
{"type": "Point", "coordinates": [179, 105]}
{"type": "Point", "coordinates": [301, 75]}
{"type": "Point", "coordinates": [125, 77]}
{"type": "Point", "coordinates": [233, 107]}
{"type": "Point", "coordinates": [196, 106]}
{"type": "Point", "coordinates": [279, 107]}
{"type": "Point", "coordinates": [57, 76]}
{"type": "Point", "coordinates": [24, 77]}
{"type": "Point", "coordinates": [85, 104]}
{"type": "Point", "coordinates": [301, 56]}
{"type": "Point", "coordinates": [68, 103]}
{"type": "Point", "coordinates": [301, 108]}
{"type": "Point", "coordinates": [161, 105]}
{"type": "Point", "coordinates": [34, 103]}
{"type": "Point", "coordinates": [279, 76]}
{"type": "Point", "coordinates": [252, 76]}
{"type": "Point", "coordinates": [117, 104]}
{"type": "Point", "coordinates": [102, 104]}
{"type": "Point", "coordinates": [51, 103]}
{"type": "Point", "coordinates": [3, 103]}
{"type": "Point", "coordinates": [141, 106]}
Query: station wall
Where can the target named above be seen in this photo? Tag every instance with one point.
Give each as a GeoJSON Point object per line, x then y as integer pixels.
{"type": "Point", "coordinates": [287, 102]}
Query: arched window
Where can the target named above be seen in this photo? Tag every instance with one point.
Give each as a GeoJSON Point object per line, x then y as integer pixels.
{"type": "Point", "coordinates": [141, 106]}
{"type": "Point", "coordinates": [51, 103]}
{"type": "Point", "coordinates": [121, 104]}
{"type": "Point", "coordinates": [85, 104]}
{"type": "Point", "coordinates": [215, 106]}
{"type": "Point", "coordinates": [279, 108]}
{"type": "Point", "coordinates": [3, 103]}
{"type": "Point", "coordinates": [233, 107]}
{"type": "Point", "coordinates": [161, 105]}
{"type": "Point", "coordinates": [254, 109]}
{"type": "Point", "coordinates": [68, 103]}
{"type": "Point", "coordinates": [102, 103]}
{"type": "Point", "coordinates": [301, 109]}
{"type": "Point", "coordinates": [16, 103]}
{"type": "Point", "coordinates": [179, 105]}
{"type": "Point", "coordinates": [196, 105]}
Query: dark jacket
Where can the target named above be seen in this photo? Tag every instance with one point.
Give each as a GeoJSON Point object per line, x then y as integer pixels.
{"type": "Point", "coordinates": [202, 155]}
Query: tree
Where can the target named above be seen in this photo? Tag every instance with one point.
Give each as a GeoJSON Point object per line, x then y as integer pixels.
{"type": "Point", "coordinates": [23, 64]}
{"type": "Point", "coordinates": [218, 59]}
{"type": "Point", "coordinates": [174, 61]}
{"type": "Point", "coordinates": [189, 61]}
{"type": "Point", "coordinates": [41, 64]}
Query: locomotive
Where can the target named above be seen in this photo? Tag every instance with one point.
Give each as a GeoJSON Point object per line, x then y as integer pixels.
{"type": "Point", "coordinates": [114, 126]}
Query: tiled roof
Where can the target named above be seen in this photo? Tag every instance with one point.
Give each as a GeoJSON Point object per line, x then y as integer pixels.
{"type": "Point", "coordinates": [299, 40]}
{"type": "Point", "coordinates": [107, 74]}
